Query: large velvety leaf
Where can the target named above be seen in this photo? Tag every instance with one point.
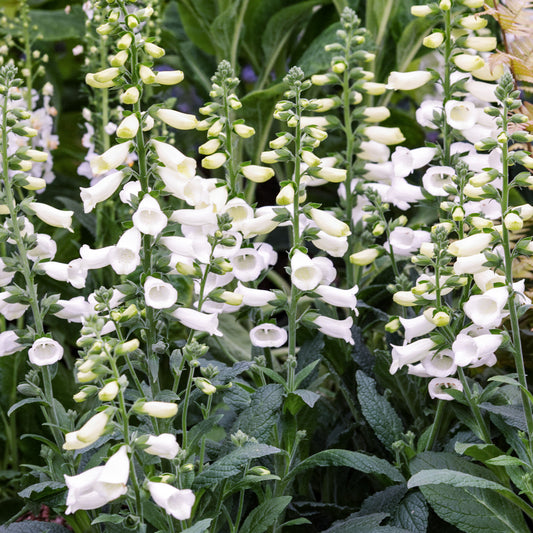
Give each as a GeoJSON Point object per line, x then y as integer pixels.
{"type": "Point", "coordinates": [232, 464]}
{"type": "Point", "coordinates": [512, 414]}
{"type": "Point", "coordinates": [34, 527]}
{"type": "Point", "coordinates": [385, 501]}
{"type": "Point", "coordinates": [265, 515]}
{"type": "Point", "coordinates": [364, 524]}
{"type": "Point", "coordinates": [196, 16]}
{"type": "Point", "coordinates": [378, 411]}
{"type": "Point", "coordinates": [56, 25]}
{"type": "Point", "coordinates": [41, 490]}
{"type": "Point", "coordinates": [367, 464]}
{"type": "Point", "coordinates": [315, 58]}
{"type": "Point", "coordinates": [468, 507]}
{"type": "Point", "coordinates": [412, 513]}
{"type": "Point", "coordinates": [199, 527]}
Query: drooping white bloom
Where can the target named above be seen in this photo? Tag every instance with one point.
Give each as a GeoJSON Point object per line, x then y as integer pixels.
{"type": "Point", "coordinates": [384, 135]}
{"type": "Point", "coordinates": [438, 386]}
{"type": "Point", "coordinates": [407, 81]}
{"type": "Point", "coordinates": [176, 502]}
{"type": "Point", "coordinates": [90, 432]}
{"type": "Point", "coordinates": [306, 273]}
{"type": "Point", "coordinates": [338, 297]}
{"type": "Point", "coordinates": [95, 258]}
{"type": "Point", "coordinates": [436, 178]}
{"type": "Point", "coordinates": [205, 216]}
{"type": "Point", "coordinates": [132, 188]}
{"type": "Point", "coordinates": [247, 264]}
{"type": "Point", "coordinates": [334, 246]}
{"type": "Point", "coordinates": [8, 343]}
{"type": "Point", "coordinates": [197, 320]}
{"type": "Point", "coordinates": [440, 365]}
{"type": "Point", "coordinates": [75, 309]}
{"type": "Point", "coordinates": [104, 189]}
{"type": "Point", "coordinates": [404, 161]}
{"type": "Point", "coordinates": [410, 353]}
{"type": "Point", "coordinates": [425, 114]}
{"type": "Point", "coordinates": [374, 151]}
{"type": "Point", "coordinates": [52, 216]}
{"type": "Point", "coordinates": [172, 158]}
{"type": "Point", "coordinates": [164, 445]}
{"type": "Point", "coordinates": [268, 336]}
{"type": "Point", "coordinates": [125, 256]}
{"type": "Point", "coordinates": [471, 264]}
{"type": "Point", "coordinates": [97, 486]}
{"type": "Point", "coordinates": [416, 327]}
{"type": "Point", "coordinates": [11, 311]}
{"type": "Point", "coordinates": [254, 297]}
{"type": "Point", "coordinates": [471, 350]}
{"type": "Point", "coordinates": [481, 90]}
{"type": "Point", "coordinates": [405, 241]}
{"type": "Point", "coordinates": [111, 158]}
{"type": "Point", "coordinates": [329, 223]}
{"type": "Point", "coordinates": [460, 114]}
{"type": "Point", "coordinates": [45, 248]}
{"type": "Point", "coordinates": [339, 329]}
{"type": "Point", "coordinates": [487, 309]}
{"type": "Point", "coordinates": [159, 294]}
{"type": "Point", "coordinates": [74, 272]}
{"type": "Point", "coordinates": [159, 409]}
{"type": "Point", "coordinates": [472, 245]}
{"type": "Point", "coordinates": [149, 218]}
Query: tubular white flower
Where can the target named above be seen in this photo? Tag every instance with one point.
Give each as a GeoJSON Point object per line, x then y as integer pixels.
{"type": "Point", "coordinates": [268, 336]}
{"type": "Point", "coordinates": [45, 351]}
{"type": "Point", "coordinates": [149, 218]}
{"type": "Point", "coordinates": [247, 264]}
{"type": "Point", "coordinates": [481, 90]}
{"type": "Point", "coordinates": [95, 258]}
{"type": "Point", "coordinates": [384, 135]}
{"type": "Point", "coordinates": [306, 273]}
{"type": "Point", "coordinates": [110, 159]}
{"type": "Point", "coordinates": [164, 445]}
{"type": "Point", "coordinates": [100, 485]}
{"type": "Point", "coordinates": [159, 409]}
{"type": "Point", "coordinates": [339, 297]}
{"type": "Point", "coordinates": [440, 365]}
{"type": "Point", "coordinates": [331, 174]}
{"type": "Point", "coordinates": [470, 350]}
{"type": "Point", "coordinates": [172, 158]}
{"type": "Point", "coordinates": [159, 294]}
{"type": "Point", "coordinates": [481, 44]}
{"type": "Point", "coordinates": [410, 353]}
{"type": "Point", "coordinates": [205, 216]}
{"type": "Point", "coordinates": [416, 327]}
{"type": "Point", "coordinates": [52, 216]}
{"type": "Point", "coordinates": [407, 81]}
{"type": "Point", "coordinates": [436, 178]}
{"type": "Point", "coordinates": [472, 245]}
{"type": "Point", "coordinates": [334, 246]}
{"type": "Point", "coordinates": [105, 188]}
{"type": "Point", "coordinates": [75, 309]}
{"type": "Point", "coordinates": [11, 311]}
{"type": "Point", "coordinates": [130, 190]}
{"type": "Point", "coordinates": [438, 386]}
{"type": "Point", "coordinates": [124, 257]}
{"type": "Point", "coordinates": [177, 120]}
{"type": "Point", "coordinates": [8, 343]}
{"type": "Point", "coordinates": [257, 173]}
{"type": "Point", "coordinates": [254, 297]}
{"type": "Point", "coordinates": [168, 77]}
{"type": "Point", "coordinates": [176, 502]}
{"type": "Point", "coordinates": [339, 329]}
{"type": "Point", "coordinates": [374, 151]}
{"type": "Point", "coordinates": [405, 161]}
{"type": "Point", "coordinates": [468, 62]}
{"type": "Point", "coordinates": [128, 128]}
{"type": "Point", "coordinates": [329, 223]}
{"type": "Point", "coordinates": [45, 248]}
{"type": "Point", "coordinates": [364, 257]}
{"type": "Point", "coordinates": [197, 320]}
{"type": "Point", "coordinates": [460, 114]}
{"type": "Point", "coordinates": [487, 309]}
{"type": "Point", "coordinates": [406, 241]}
{"type": "Point", "coordinates": [90, 432]}
{"type": "Point", "coordinates": [471, 264]}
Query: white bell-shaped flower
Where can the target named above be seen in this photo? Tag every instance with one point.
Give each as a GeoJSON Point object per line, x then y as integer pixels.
{"type": "Point", "coordinates": [45, 248]}
{"type": "Point", "coordinates": [94, 258]}
{"type": "Point", "coordinates": [471, 264]}
{"type": "Point", "coordinates": [375, 151]}
{"type": "Point", "coordinates": [405, 241]}
{"type": "Point", "coordinates": [164, 445]}
{"type": "Point", "coordinates": [404, 161]}
{"type": "Point", "coordinates": [460, 114]}
{"type": "Point", "coordinates": [487, 309]}
{"type": "Point", "coordinates": [334, 246]}
{"type": "Point", "coordinates": [104, 189]}
{"type": "Point", "coordinates": [149, 218]}
{"type": "Point", "coordinates": [306, 273]}
{"type": "Point", "coordinates": [176, 502]}
{"type": "Point", "coordinates": [130, 190]}
{"type": "Point", "coordinates": [437, 388]}
{"type": "Point", "coordinates": [268, 336]}
{"type": "Point", "coordinates": [440, 365]}
{"type": "Point", "coordinates": [159, 294]}
{"type": "Point", "coordinates": [172, 158]}
{"type": "Point", "coordinates": [410, 353]}
{"type": "Point", "coordinates": [339, 297]}
{"type": "Point", "coordinates": [52, 216]}
{"type": "Point", "coordinates": [11, 311]}
{"type": "Point", "coordinates": [247, 264]}
{"type": "Point", "coordinates": [339, 329]}
{"type": "Point", "coordinates": [470, 350]}
{"type": "Point", "coordinates": [407, 81]}
{"type": "Point", "coordinates": [9, 343]}
{"type": "Point", "coordinates": [436, 178]}
{"type": "Point", "coordinates": [197, 320]}
{"type": "Point", "coordinates": [110, 159]}
{"type": "Point", "coordinates": [125, 255]}
{"type": "Point", "coordinates": [254, 297]}
{"type": "Point", "coordinates": [90, 432]}
{"type": "Point", "coordinates": [416, 327]}
{"type": "Point", "coordinates": [472, 245]}
{"type": "Point", "coordinates": [75, 309]}
{"type": "Point", "coordinates": [205, 216]}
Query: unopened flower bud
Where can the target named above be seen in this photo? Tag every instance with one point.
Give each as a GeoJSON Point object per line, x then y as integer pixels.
{"type": "Point", "coordinates": [513, 222]}
{"type": "Point", "coordinates": [125, 41]}
{"type": "Point", "coordinates": [364, 257]}
{"type": "Point", "coordinates": [427, 249]}
{"type": "Point", "coordinates": [244, 131]}
{"type": "Point", "coordinates": [214, 161]}
{"type": "Point", "coordinates": [153, 50]}
{"type": "Point", "coordinates": [119, 59]}
{"type": "Point", "coordinates": [130, 96]}
{"type": "Point", "coordinates": [421, 11]}
{"type": "Point", "coordinates": [205, 386]}
{"type": "Point", "coordinates": [404, 298]}
{"type": "Point", "coordinates": [146, 74]}
{"type": "Point", "coordinates": [393, 325]}
{"type": "Point", "coordinates": [434, 40]}
{"type": "Point", "coordinates": [127, 347]}
{"type": "Point", "coordinates": [109, 392]}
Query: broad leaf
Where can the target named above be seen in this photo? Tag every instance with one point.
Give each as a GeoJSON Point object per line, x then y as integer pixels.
{"type": "Point", "coordinates": [32, 526]}
{"type": "Point", "coordinates": [199, 527]}
{"type": "Point", "coordinates": [265, 515]}
{"type": "Point", "coordinates": [39, 491]}
{"type": "Point", "coordinates": [412, 513]}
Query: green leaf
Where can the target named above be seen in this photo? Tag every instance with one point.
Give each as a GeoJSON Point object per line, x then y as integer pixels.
{"type": "Point", "coordinates": [315, 58]}
{"type": "Point", "coordinates": [506, 460]}
{"type": "Point", "coordinates": [363, 524]}
{"type": "Point", "coordinates": [410, 42]}
{"type": "Point", "coordinates": [108, 518]}
{"type": "Point", "coordinates": [297, 399]}
{"type": "Point", "coordinates": [385, 501]}
{"type": "Point", "coordinates": [512, 414]}
{"type": "Point", "coordinates": [265, 515]}
{"type": "Point", "coordinates": [306, 371]}
{"type": "Point", "coordinates": [32, 526]}
{"type": "Point", "coordinates": [196, 17]}
{"type": "Point", "coordinates": [480, 452]}
{"type": "Point", "coordinates": [258, 419]}
{"type": "Point", "coordinates": [412, 513]}
{"type": "Point", "coordinates": [235, 339]}
{"type": "Point", "coordinates": [470, 504]}
{"type": "Point", "coordinates": [39, 491]}
{"type": "Point", "coordinates": [56, 25]}
{"type": "Point", "coordinates": [25, 401]}
{"type": "Point", "coordinates": [199, 527]}
{"type": "Point", "coordinates": [377, 411]}
{"type": "Point", "coordinates": [367, 464]}
{"type": "Point", "coordinates": [232, 464]}
{"type": "Point", "coordinates": [296, 522]}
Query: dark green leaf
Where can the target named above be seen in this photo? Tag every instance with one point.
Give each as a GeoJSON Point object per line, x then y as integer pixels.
{"type": "Point", "coordinates": [512, 414]}
{"type": "Point", "coordinates": [315, 58]}
{"type": "Point", "coordinates": [34, 527]}
{"type": "Point", "coordinates": [199, 527]}
{"type": "Point", "coordinates": [385, 501]}
{"type": "Point", "coordinates": [265, 515]}
{"type": "Point", "coordinates": [25, 401]}
{"type": "Point", "coordinates": [40, 490]}
{"type": "Point", "coordinates": [412, 513]}
{"type": "Point", "coordinates": [109, 518]}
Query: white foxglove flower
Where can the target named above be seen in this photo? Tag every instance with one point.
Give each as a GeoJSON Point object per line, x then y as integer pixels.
{"type": "Point", "coordinates": [5, 277]}
{"type": "Point", "coordinates": [164, 445]}
{"type": "Point", "coordinates": [95, 258]}
{"type": "Point", "coordinates": [268, 336]}
{"type": "Point", "coordinates": [470, 350]}
{"type": "Point", "coordinates": [75, 309]}
{"type": "Point", "coordinates": [306, 273]}
{"type": "Point", "coordinates": [52, 216]}
{"type": "Point", "coordinates": [460, 114]}
{"type": "Point", "coordinates": [487, 309]}
{"type": "Point", "coordinates": [485, 280]}
{"type": "Point", "coordinates": [205, 216]}
{"type": "Point", "coordinates": [481, 90]}
{"type": "Point", "coordinates": [125, 255]}
{"type": "Point", "coordinates": [257, 173]}
{"type": "Point", "coordinates": [437, 388]}
{"type": "Point", "coordinates": [425, 114]}
{"type": "Point", "coordinates": [149, 218]}
{"type": "Point", "coordinates": [329, 223]}
{"type": "Point", "coordinates": [405, 241]}
{"type": "Point", "coordinates": [410, 353]}
{"type": "Point", "coordinates": [374, 151]}
{"type": "Point", "coordinates": [104, 189]}
{"type": "Point", "coordinates": [159, 409]}
{"type": "Point", "coordinates": [254, 297]}
{"type": "Point", "coordinates": [404, 161]}
{"type": "Point", "coordinates": [471, 264]}
{"type": "Point", "coordinates": [472, 245]}
{"type": "Point", "coordinates": [8, 343]}
{"type": "Point", "coordinates": [334, 246]}
{"type": "Point", "coordinates": [100, 485]}
{"type": "Point", "coordinates": [384, 135]}
{"type": "Point", "coordinates": [260, 225]}
{"type": "Point", "coordinates": [338, 297]}
{"type": "Point", "coordinates": [110, 159]}
{"type": "Point", "coordinates": [440, 365]}
{"type": "Point", "coordinates": [247, 264]}
{"type": "Point", "coordinates": [197, 320]}
{"type": "Point", "coordinates": [401, 193]}
{"type": "Point", "coordinates": [176, 502]}
{"type": "Point", "coordinates": [74, 272]}
{"type": "Point", "coordinates": [11, 311]}
{"type": "Point", "coordinates": [128, 128]}
{"type": "Point", "coordinates": [407, 81]}
{"type": "Point", "coordinates": [90, 432]}
{"type": "Point", "coordinates": [131, 189]}
{"type": "Point", "coordinates": [159, 294]}
{"type": "Point", "coordinates": [177, 119]}
{"type": "Point", "coordinates": [239, 210]}
{"type": "Point", "coordinates": [416, 327]}
{"type": "Point", "coordinates": [436, 178]}
{"type": "Point", "coordinates": [172, 158]}
{"type": "Point", "coordinates": [339, 329]}
{"type": "Point", "coordinates": [45, 248]}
